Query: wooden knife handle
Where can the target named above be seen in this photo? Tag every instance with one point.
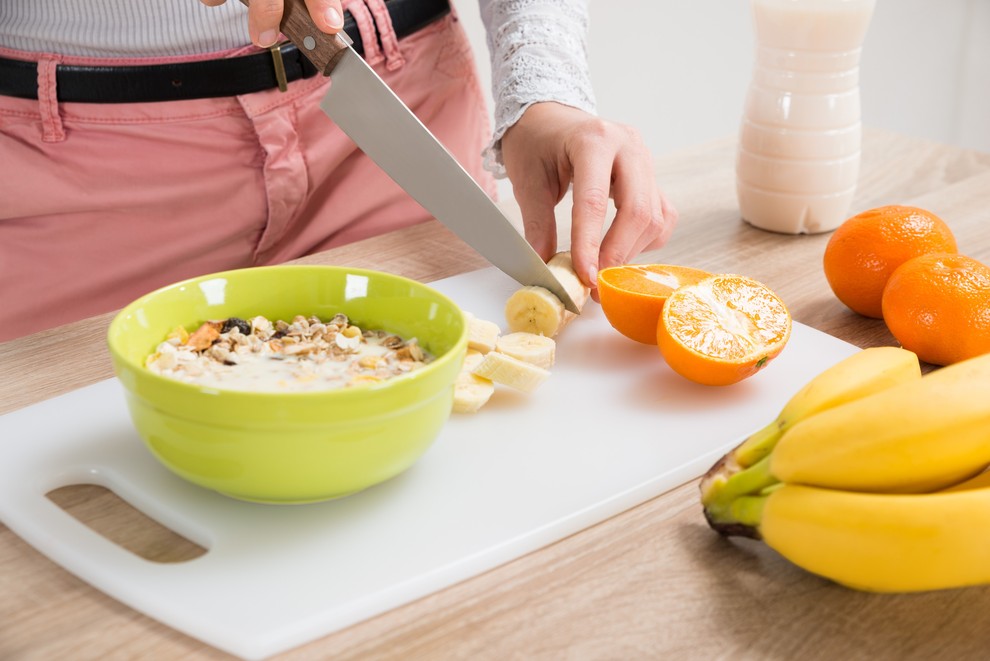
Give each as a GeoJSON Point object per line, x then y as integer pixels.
{"type": "Point", "coordinates": [322, 49]}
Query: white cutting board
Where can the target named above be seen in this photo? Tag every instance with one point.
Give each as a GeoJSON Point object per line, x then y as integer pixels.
{"type": "Point", "coordinates": [611, 428]}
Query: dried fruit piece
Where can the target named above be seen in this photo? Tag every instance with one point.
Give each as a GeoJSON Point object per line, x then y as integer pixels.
{"type": "Point", "coordinates": [204, 336]}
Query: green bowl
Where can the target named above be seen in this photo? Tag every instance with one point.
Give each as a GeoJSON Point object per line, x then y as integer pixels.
{"type": "Point", "coordinates": [291, 447]}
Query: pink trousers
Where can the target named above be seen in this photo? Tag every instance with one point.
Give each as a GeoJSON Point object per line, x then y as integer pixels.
{"type": "Point", "coordinates": [101, 203]}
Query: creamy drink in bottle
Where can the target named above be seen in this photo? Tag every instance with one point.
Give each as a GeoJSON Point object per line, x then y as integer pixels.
{"type": "Point", "coordinates": [799, 143]}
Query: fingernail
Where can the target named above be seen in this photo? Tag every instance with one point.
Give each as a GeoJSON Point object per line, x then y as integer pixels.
{"type": "Point", "coordinates": [267, 38]}
{"type": "Point", "coordinates": [334, 19]}
{"type": "Point", "coordinates": [592, 275]}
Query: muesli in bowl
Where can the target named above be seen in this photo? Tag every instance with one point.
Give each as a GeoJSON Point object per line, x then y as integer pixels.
{"type": "Point", "coordinates": [290, 444]}
{"type": "Point", "coordinates": [306, 354]}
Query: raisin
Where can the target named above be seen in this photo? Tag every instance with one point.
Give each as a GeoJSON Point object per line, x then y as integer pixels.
{"type": "Point", "coordinates": [241, 325]}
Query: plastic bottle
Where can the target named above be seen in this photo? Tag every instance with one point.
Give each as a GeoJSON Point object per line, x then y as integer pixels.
{"type": "Point", "coordinates": [799, 144]}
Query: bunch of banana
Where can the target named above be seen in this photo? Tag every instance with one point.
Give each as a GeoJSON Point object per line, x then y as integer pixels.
{"type": "Point", "coordinates": [864, 373]}
{"type": "Point", "coordinates": [886, 492]}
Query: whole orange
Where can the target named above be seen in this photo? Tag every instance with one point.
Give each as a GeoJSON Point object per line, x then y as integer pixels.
{"type": "Point", "coordinates": [938, 306]}
{"type": "Point", "coordinates": [632, 295]}
{"type": "Point", "coordinates": [865, 250]}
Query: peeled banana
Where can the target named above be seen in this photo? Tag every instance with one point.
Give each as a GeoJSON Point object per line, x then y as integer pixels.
{"type": "Point", "coordinates": [535, 310]}
{"type": "Point", "coordinates": [512, 372]}
{"type": "Point", "coordinates": [538, 310]}
{"type": "Point", "coordinates": [562, 266]}
{"type": "Point", "coordinates": [522, 358]}
{"type": "Point", "coordinates": [538, 350]}
{"type": "Point", "coordinates": [482, 334]}
{"type": "Point", "coordinates": [471, 391]}
{"type": "Point", "coordinates": [518, 360]}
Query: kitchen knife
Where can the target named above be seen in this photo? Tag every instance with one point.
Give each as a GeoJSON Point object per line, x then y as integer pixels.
{"type": "Point", "coordinates": [364, 107]}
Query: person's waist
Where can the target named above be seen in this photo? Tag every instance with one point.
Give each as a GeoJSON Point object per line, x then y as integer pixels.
{"type": "Point", "coordinates": [230, 76]}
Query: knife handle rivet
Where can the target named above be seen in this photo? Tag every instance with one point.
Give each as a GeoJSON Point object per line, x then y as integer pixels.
{"type": "Point", "coordinates": [309, 43]}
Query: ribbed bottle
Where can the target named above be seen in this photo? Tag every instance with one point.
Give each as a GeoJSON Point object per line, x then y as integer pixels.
{"type": "Point", "coordinates": [798, 159]}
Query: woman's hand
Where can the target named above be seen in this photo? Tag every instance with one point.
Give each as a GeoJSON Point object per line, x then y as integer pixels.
{"type": "Point", "coordinates": [265, 16]}
{"type": "Point", "coordinates": [553, 146]}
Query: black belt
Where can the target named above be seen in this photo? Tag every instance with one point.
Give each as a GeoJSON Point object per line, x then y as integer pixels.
{"type": "Point", "coordinates": [199, 80]}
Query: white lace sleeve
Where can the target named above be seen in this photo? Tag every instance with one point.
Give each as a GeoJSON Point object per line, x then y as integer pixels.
{"type": "Point", "coordinates": [538, 52]}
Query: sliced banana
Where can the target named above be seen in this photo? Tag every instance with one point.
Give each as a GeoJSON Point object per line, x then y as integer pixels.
{"type": "Point", "coordinates": [506, 370]}
{"type": "Point", "coordinates": [562, 267]}
{"type": "Point", "coordinates": [538, 310]}
{"type": "Point", "coordinates": [482, 334]}
{"type": "Point", "coordinates": [538, 350]}
{"type": "Point", "coordinates": [534, 310]}
{"type": "Point", "coordinates": [472, 359]}
{"type": "Point", "coordinates": [471, 391]}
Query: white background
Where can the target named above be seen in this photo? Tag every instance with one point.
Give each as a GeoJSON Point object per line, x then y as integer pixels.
{"type": "Point", "coordinates": [678, 69]}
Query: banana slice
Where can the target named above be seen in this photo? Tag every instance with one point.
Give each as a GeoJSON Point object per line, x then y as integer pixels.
{"type": "Point", "coordinates": [472, 359]}
{"type": "Point", "coordinates": [535, 349]}
{"type": "Point", "coordinates": [482, 334]}
{"type": "Point", "coordinates": [471, 391]}
{"type": "Point", "coordinates": [512, 372]}
{"type": "Point", "coordinates": [537, 310]}
{"type": "Point", "coordinates": [534, 310]}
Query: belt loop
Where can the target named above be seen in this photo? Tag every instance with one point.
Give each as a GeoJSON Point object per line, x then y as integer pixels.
{"type": "Point", "coordinates": [276, 51]}
{"type": "Point", "coordinates": [386, 32]}
{"type": "Point", "coordinates": [366, 28]}
{"type": "Point", "coordinates": [51, 122]}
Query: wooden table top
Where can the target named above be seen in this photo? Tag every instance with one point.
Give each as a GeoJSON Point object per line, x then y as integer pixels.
{"type": "Point", "coordinates": [653, 582]}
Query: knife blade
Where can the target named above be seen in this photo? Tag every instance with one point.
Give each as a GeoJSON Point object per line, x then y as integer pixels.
{"type": "Point", "coordinates": [381, 125]}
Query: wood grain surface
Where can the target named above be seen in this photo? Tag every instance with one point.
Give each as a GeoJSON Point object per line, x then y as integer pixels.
{"type": "Point", "coordinates": [651, 583]}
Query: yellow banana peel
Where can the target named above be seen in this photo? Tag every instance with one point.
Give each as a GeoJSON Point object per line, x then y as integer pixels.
{"type": "Point", "coordinates": [889, 492]}
{"type": "Point", "coordinates": [864, 373]}
{"type": "Point", "coordinates": [882, 542]}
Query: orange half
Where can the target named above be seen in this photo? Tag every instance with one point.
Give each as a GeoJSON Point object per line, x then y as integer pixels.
{"type": "Point", "coordinates": [722, 329]}
{"type": "Point", "coordinates": [632, 295]}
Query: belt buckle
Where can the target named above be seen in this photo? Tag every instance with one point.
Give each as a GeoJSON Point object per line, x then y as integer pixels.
{"type": "Point", "coordinates": [276, 51]}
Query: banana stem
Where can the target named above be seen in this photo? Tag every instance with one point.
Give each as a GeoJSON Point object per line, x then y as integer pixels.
{"type": "Point", "coordinates": [741, 518]}
{"type": "Point", "coordinates": [748, 453]}
{"type": "Point", "coordinates": [748, 510]}
{"type": "Point", "coordinates": [749, 481]}
{"type": "Point", "coordinates": [758, 445]}
{"type": "Point", "coordinates": [716, 476]}
{"type": "Point", "coordinates": [735, 505]}
{"type": "Point", "coordinates": [766, 491]}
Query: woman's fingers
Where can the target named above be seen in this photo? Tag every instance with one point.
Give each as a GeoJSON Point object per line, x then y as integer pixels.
{"type": "Point", "coordinates": [553, 146]}
{"type": "Point", "coordinates": [265, 17]}
{"type": "Point", "coordinates": [327, 14]}
{"type": "Point", "coordinates": [639, 213]}
{"type": "Point", "coordinates": [591, 157]}
{"type": "Point", "coordinates": [536, 204]}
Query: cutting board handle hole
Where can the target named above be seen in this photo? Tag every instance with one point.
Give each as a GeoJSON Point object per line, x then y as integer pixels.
{"type": "Point", "coordinates": [111, 517]}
